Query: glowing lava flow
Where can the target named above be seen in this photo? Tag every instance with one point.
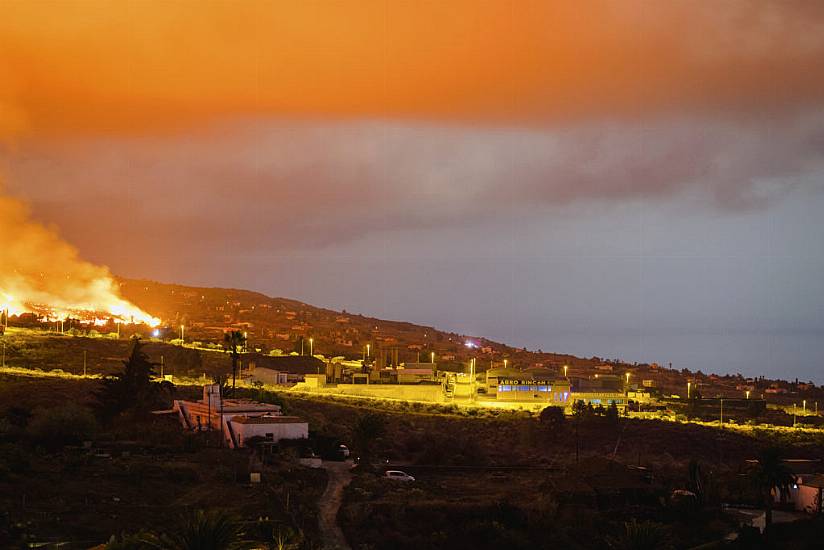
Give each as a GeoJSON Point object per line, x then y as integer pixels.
{"type": "Point", "coordinates": [41, 273]}
{"type": "Point", "coordinates": [105, 305]}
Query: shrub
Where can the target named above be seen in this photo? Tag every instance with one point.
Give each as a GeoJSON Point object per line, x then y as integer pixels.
{"type": "Point", "coordinates": [59, 426]}
{"type": "Point", "coordinates": [181, 474]}
{"type": "Point", "coordinates": [14, 458]}
{"type": "Point", "coordinates": [552, 417]}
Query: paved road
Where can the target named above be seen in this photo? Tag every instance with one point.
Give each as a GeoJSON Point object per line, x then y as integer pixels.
{"type": "Point", "coordinates": [339, 477]}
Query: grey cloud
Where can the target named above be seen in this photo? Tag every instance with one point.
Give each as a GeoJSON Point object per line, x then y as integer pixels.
{"type": "Point", "coordinates": [281, 186]}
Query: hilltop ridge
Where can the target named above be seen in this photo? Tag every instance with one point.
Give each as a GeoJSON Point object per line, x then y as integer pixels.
{"type": "Point", "coordinates": [287, 325]}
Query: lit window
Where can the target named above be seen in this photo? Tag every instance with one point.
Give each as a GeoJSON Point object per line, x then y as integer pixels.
{"type": "Point", "coordinates": [523, 388]}
{"type": "Point", "coordinates": [505, 388]}
{"type": "Point", "coordinates": [543, 388]}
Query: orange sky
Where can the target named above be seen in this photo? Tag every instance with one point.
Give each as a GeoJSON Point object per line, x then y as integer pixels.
{"type": "Point", "coordinates": [132, 66]}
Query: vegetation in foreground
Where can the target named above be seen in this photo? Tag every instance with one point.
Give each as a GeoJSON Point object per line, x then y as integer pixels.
{"type": "Point", "coordinates": [486, 479]}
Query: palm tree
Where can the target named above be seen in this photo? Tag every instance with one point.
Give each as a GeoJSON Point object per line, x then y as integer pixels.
{"type": "Point", "coordinates": [644, 535]}
{"type": "Point", "coordinates": [234, 341]}
{"type": "Point", "coordinates": [214, 530]}
{"type": "Point", "coordinates": [771, 474]}
{"type": "Point", "coordinates": [367, 429]}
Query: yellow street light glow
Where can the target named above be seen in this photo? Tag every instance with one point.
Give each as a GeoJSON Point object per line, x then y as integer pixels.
{"type": "Point", "coordinates": [566, 367]}
{"type": "Point", "coordinates": [627, 378]}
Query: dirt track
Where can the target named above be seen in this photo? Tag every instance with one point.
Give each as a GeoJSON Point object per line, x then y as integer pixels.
{"type": "Point", "coordinates": [339, 477]}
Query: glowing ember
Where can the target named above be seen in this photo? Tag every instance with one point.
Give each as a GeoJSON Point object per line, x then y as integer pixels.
{"type": "Point", "coordinates": [42, 274]}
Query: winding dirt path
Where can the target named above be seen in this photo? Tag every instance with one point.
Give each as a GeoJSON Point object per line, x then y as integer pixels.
{"type": "Point", "coordinates": [339, 477]}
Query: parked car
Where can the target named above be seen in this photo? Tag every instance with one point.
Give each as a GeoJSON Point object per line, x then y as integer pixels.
{"type": "Point", "coordinates": [397, 475]}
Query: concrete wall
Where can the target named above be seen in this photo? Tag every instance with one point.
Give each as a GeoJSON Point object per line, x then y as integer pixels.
{"type": "Point", "coordinates": [412, 392]}
{"type": "Point", "coordinates": [802, 498]}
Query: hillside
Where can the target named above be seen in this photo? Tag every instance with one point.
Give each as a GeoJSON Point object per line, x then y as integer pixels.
{"type": "Point", "coordinates": [287, 325]}
{"type": "Point", "coordinates": [280, 323]}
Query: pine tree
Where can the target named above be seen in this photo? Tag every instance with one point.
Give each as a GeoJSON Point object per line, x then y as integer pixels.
{"type": "Point", "coordinates": [131, 390]}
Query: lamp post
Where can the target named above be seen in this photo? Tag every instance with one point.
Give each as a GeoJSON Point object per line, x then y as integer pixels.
{"type": "Point", "coordinates": [794, 412]}
{"type": "Point", "coordinates": [432, 357]}
{"type": "Point", "coordinates": [182, 334]}
{"type": "Point", "coordinates": [566, 368]}
{"type": "Point", "coordinates": [689, 386]}
{"type": "Point", "coordinates": [311, 347]}
{"type": "Point", "coordinates": [748, 394]}
{"type": "Point", "coordinates": [627, 379]}
{"type": "Point", "coordinates": [472, 379]}
{"type": "Point", "coordinates": [804, 404]}
{"type": "Point", "coordinates": [368, 346]}
{"type": "Point", "coordinates": [722, 412]}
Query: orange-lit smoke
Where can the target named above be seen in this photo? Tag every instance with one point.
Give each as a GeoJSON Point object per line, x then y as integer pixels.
{"type": "Point", "coordinates": [41, 273]}
{"type": "Point", "coordinates": [130, 67]}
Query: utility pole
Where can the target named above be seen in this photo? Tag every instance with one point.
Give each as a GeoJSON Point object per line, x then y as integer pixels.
{"type": "Point", "coordinates": [162, 364]}
{"type": "Point", "coordinates": [722, 412]}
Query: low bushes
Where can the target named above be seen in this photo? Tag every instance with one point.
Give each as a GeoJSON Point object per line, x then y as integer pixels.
{"type": "Point", "coordinates": [69, 424]}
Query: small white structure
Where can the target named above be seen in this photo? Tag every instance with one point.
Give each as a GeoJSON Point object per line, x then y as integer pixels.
{"type": "Point", "coordinates": [267, 427]}
{"type": "Point", "coordinates": [238, 419]}
{"type": "Point", "coordinates": [269, 376]}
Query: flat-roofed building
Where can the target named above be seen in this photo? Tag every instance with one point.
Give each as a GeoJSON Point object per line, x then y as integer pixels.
{"type": "Point", "coordinates": [235, 418]}
{"type": "Point", "coordinates": [267, 427]}
{"type": "Point", "coordinates": [534, 386]}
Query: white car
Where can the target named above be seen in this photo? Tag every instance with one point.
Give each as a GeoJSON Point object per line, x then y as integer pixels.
{"type": "Point", "coordinates": [397, 475]}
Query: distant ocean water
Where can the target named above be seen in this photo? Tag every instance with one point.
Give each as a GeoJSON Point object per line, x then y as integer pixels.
{"type": "Point", "coordinates": [785, 355]}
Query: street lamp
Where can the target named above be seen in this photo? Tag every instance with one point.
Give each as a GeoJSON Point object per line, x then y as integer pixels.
{"type": "Point", "coordinates": [722, 412]}
{"type": "Point", "coordinates": [367, 350]}
{"type": "Point", "coordinates": [748, 394]}
{"type": "Point", "coordinates": [804, 404]}
{"type": "Point", "coordinates": [311, 347]}
{"type": "Point", "coordinates": [566, 367]}
{"type": "Point", "coordinates": [689, 385]}
{"type": "Point", "coordinates": [505, 361]}
{"type": "Point", "coordinates": [627, 379]}
{"type": "Point", "coordinates": [432, 357]}
{"type": "Point", "coordinates": [182, 329]}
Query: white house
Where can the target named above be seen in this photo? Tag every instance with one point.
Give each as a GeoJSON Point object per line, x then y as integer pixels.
{"type": "Point", "coordinates": [238, 419]}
